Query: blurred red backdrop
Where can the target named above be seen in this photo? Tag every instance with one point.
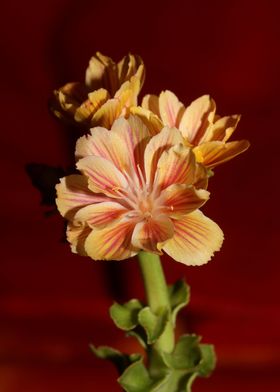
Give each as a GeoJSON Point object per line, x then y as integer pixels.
{"type": "Point", "coordinates": [53, 303]}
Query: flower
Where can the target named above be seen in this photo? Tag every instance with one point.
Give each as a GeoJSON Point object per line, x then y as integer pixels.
{"type": "Point", "coordinates": [205, 131]}
{"type": "Point", "coordinates": [137, 192]}
{"type": "Point", "coordinates": [109, 91]}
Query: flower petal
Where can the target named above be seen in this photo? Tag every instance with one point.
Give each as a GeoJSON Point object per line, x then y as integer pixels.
{"type": "Point", "coordinates": [129, 66]}
{"type": "Point", "coordinates": [106, 144]}
{"type": "Point", "coordinates": [135, 136]}
{"type": "Point", "coordinates": [112, 242]}
{"type": "Point", "coordinates": [176, 166]}
{"type": "Point", "coordinates": [171, 109]}
{"type": "Point", "coordinates": [148, 233]}
{"type": "Point", "coordinates": [151, 120]}
{"type": "Point", "coordinates": [151, 102]}
{"type": "Point", "coordinates": [103, 176]}
{"type": "Point", "coordinates": [96, 215]}
{"type": "Point", "coordinates": [95, 100]}
{"type": "Point", "coordinates": [197, 118]}
{"type": "Point", "coordinates": [77, 235]}
{"type": "Point", "coordinates": [182, 199]}
{"type": "Point", "coordinates": [159, 143]}
{"type": "Point", "coordinates": [128, 92]}
{"type": "Point", "coordinates": [107, 114]}
{"type": "Point", "coordinates": [73, 193]}
{"type": "Point", "coordinates": [222, 129]}
{"type": "Point", "coordinates": [211, 154]}
{"type": "Point", "coordinates": [195, 239]}
{"type": "Point", "coordinates": [102, 72]}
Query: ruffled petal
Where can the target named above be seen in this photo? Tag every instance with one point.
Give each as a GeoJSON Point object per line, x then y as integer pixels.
{"type": "Point", "coordinates": [112, 242]}
{"type": "Point", "coordinates": [211, 154]}
{"type": "Point", "coordinates": [159, 143]}
{"type": "Point", "coordinates": [171, 109]}
{"type": "Point", "coordinates": [73, 193]}
{"type": "Point", "coordinates": [179, 199]}
{"type": "Point", "coordinates": [195, 239]}
{"type": "Point", "coordinates": [96, 215]}
{"type": "Point", "coordinates": [103, 176]}
{"type": "Point", "coordinates": [106, 144]}
{"type": "Point", "coordinates": [176, 166]}
{"type": "Point", "coordinates": [76, 236]}
{"type": "Point", "coordinates": [148, 233]}
{"type": "Point", "coordinates": [135, 136]}
{"type": "Point", "coordinates": [197, 118]}
{"type": "Point", "coordinates": [151, 102]}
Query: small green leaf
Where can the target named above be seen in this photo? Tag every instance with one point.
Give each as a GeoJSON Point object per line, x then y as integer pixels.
{"type": "Point", "coordinates": [208, 360]}
{"type": "Point", "coordinates": [126, 316]}
{"type": "Point", "coordinates": [186, 354]}
{"type": "Point", "coordinates": [153, 324]}
{"type": "Point", "coordinates": [120, 360]}
{"type": "Point", "coordinates": [136, 378]}
{"type": "Point", "coordinates": [179, 296]}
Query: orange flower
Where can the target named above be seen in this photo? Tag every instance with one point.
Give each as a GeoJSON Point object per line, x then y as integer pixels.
{"type": "Point", "coordinates": [206, 132]}
{"type": "Point", "coordinates": [109, 91]}
{"type": "Point", "coordinates": [137, 192]}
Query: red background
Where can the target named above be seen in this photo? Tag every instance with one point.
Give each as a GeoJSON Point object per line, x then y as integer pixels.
{"type": "Point", "coordinates": [53, 303]}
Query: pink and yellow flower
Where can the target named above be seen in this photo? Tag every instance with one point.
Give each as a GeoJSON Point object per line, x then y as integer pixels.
{"type": "Point", "coordinates": [137, 192]}
{"type": "Point", "coordinates": [109, 91]}
{"type": "Point", "coordinates": [205, 131]}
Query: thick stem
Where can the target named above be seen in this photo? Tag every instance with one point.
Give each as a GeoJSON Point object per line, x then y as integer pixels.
{"type": "Point", "coordinates": [157, 295]}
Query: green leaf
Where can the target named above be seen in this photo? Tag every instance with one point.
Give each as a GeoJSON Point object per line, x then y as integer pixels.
{"type": "Point", "coordinates": [208, 360]}
{"type": "Point", "coordinates": [153, 324]}
{"type": "Point", "coordinates": [175, 381]}
{"type": "Point", "coordinates": [136, 378]}
{"type": "Point", "coordinates": [120, 360]}
{"type": "Point", "coordinates": [126, 316]}
{"type": "Point", "coordinates": [179, 296]}
{"type": "Point", "coordinates": [186, 354]}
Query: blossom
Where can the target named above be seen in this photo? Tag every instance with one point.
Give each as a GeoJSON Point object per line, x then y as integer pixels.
{"type": "Point", "coordinates": [109, 91]}
{"type": "Point", "coordinates": [205, 131]}
{"type": "Point", "coordinates": [137, 192]}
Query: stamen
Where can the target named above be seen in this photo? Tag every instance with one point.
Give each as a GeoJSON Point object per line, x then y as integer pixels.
{"type": "Point", "coordinates": [141, 176]}
{"type": "Point", "coordinates": [126, 197]}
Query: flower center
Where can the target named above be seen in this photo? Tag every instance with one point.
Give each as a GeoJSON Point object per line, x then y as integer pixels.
{"type": "Point", "coordinates": [146, 206]}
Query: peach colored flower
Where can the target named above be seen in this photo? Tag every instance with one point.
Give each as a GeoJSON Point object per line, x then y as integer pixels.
{"type": "Point", "coordinates": [137, 191]}
{"type": "Point", "coordinates": [109, 91]}
{"type": "Point", "coordinates": [205, 131]}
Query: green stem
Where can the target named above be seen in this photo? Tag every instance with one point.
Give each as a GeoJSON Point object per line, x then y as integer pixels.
{"type": "Point", "coordinates": [157, 295]}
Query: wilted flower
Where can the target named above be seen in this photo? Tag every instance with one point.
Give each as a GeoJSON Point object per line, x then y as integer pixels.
{"type": "Point", "coordinates": [137, 192]}
{"type": "Point", "coordinates": [205, 131]}
{"type": "Point", "coordinates": [109, 91]}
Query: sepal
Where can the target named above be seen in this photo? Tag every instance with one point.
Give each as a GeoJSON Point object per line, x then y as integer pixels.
{"type": "Point", "coordinates": [120, 360]}
{"type": "Point", "coordinates": [153, 324]}
{"type": "Point", "coordinates": [136, 378]}
{"type": "Point", "coordinates": [126, 316]}
{"type": "Point", "coordinates": [179, 296]}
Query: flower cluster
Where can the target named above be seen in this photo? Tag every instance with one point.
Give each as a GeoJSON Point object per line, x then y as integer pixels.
{"type": "Point", "coordinates": [143, 169]}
